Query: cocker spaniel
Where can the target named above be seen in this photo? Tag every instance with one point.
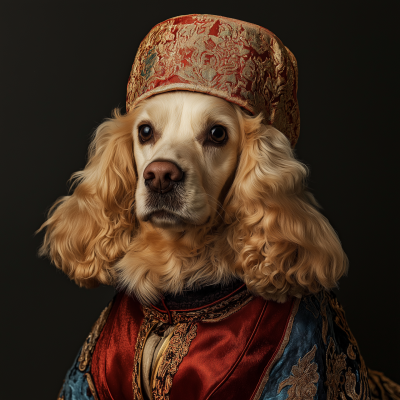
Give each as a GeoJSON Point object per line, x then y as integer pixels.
{"type": "Point", "coordinates": [189, 190]}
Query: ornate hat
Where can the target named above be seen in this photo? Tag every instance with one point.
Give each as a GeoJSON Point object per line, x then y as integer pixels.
{"type": "Point", "coordinates": [235, 60]}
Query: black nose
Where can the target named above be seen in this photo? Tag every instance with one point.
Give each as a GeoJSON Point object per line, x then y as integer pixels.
{"type": "Point", "coordinates": [161, 176]}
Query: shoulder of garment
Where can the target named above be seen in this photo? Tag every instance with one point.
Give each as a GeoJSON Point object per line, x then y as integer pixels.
{"type": "Point", "coordinates": [321, 359]}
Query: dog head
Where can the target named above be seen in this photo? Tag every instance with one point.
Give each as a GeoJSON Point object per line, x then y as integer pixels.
{"type": "Point", "coordinates": [188, 189]}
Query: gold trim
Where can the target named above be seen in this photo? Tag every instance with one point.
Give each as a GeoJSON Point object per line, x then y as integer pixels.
{"type": "Point", "coordinates": [172, 357]}
{"type": "Point", "coordinates": [284, 343]}
{"type": "Point", "coordinates": [139, 395]}
{"type": "Point", "coordinates": [216, 312]}
{"type": "Point", "coordinates": [92, 388]}
{"type": "Point", "coordinates": [232, 311]}
{"type": "Point", "coordinates": [88, 347]}
{"type": "Point", "coordinates": [350, 378]}
{"type": "Point", "coordinates": [350, 352]}
{"type": "Point", "coordinates": [159, 357]}
{"type": "Point", "coordinates": [216, 17]}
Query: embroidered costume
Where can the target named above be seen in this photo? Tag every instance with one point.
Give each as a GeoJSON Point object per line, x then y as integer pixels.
{"type": "Point", "coordinates": [222, 342]}
{"type": "Point", "coordinates": [238, 347]}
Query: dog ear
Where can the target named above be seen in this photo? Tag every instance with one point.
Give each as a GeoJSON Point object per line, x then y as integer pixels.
{"type": "Point", "coordinates": [284, 246]}
{"type": "Point", "coordinates": [89, 230]}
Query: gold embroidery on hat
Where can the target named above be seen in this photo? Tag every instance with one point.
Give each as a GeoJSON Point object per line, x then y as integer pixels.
{"type": "Point", "coordinates": [235, 60]}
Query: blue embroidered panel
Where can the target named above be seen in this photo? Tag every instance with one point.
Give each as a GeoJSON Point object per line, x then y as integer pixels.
{"type": "Point", "coordinates": [321, 359]}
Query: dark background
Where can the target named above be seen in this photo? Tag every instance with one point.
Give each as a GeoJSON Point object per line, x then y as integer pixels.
{"type": "Point", "coordinates": [64, 67]}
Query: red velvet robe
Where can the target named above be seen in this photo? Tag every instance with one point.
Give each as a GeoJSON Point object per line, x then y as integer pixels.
{"type": "Point", "coordinates": [215, 349]}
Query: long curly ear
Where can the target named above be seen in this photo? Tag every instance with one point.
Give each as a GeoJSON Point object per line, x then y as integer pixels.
{"type": "Point", "coordinates": [284, 246]}
{"type": "Point", "coordinates": [89, 230]}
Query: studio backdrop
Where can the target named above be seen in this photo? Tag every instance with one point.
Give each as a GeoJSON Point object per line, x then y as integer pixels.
{"type": "Point", "coordinates": [64, 68]}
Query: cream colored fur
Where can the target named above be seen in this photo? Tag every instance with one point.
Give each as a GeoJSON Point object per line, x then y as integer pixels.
{"type": "Point", "coordinates": [245, 210]}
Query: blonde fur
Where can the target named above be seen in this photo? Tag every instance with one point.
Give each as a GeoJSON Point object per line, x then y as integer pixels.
{"type": "Point", "coordinates": [266, 230]}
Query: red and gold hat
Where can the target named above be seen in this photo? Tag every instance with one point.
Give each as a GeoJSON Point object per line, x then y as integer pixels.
{"type": "Point", "coordinates": [235, 60]}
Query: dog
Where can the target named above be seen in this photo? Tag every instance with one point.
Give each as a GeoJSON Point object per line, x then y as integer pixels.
{"type": "Point", "coordinates": [188, 190]}
{"type": "Point", "coordinates": [197, 211]}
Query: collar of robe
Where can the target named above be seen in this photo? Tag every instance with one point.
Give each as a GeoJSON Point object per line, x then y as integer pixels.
{"type": "Point", "coordinates": [209, 303]}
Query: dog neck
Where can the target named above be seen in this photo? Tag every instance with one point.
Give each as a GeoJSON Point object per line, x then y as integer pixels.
{"type": "Point", "coordinates": [157, 262]}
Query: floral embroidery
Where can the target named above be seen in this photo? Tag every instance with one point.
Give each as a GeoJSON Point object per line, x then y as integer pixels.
{"type": "Point", "coordinates": [177, 348]}
{"type": "Point", "coordinates": [303, 378]}
{"type": "Point", "coordinates": [336, 364]}
{"type": "Point", "coordinates": [235, 60]}
{"type": "Point", "coordinates": [338, 384]}
{"type": "Point", "coordinates": [88, 347]}
{"type": "Point", "coordinates": [350, 352]}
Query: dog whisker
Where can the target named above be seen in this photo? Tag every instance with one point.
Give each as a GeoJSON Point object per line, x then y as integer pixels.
{"type": "Point", "coordinates": [218, 203]}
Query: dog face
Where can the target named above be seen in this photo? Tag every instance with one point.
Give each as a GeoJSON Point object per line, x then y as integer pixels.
{"type": "Point", "coordinates": [186, 148]}
{"type": "Point", "coordinates": [188, 190]}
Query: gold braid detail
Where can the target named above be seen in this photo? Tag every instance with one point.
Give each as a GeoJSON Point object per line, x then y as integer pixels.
{"type": "Point", "coordinates": [177, 348]}
{"type": "Point", "coordinates": [92, 388]}
{"type": "Point", "coordinates": [213, 313]}
{"type": "Point", "coordinates": [88, 347]}
{"type": "Point", "coordinates": [337, 384]}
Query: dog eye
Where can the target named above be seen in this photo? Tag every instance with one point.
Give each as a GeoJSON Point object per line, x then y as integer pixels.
{"type": "Point", "coordinates": [145, 133]}
{"type": "Point", "coordinates": [217, 134]}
